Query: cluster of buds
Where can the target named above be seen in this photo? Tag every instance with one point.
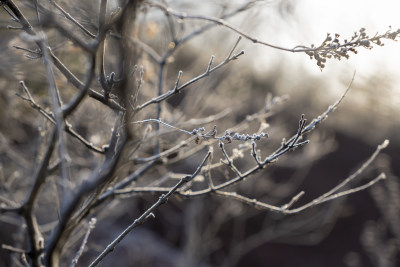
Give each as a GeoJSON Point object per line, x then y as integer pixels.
{"type": "Point", "coordinates": [200, 133]}
{"type": "Point", "coordinates": [334, 48]}
{"type": "Point", "coordinates": [228, 137]}
{"type": "Point", "coordinates": [197, 131]}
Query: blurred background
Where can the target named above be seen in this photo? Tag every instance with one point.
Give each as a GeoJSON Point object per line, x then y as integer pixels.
{"type": "Point", "coordinates": [360, 230]}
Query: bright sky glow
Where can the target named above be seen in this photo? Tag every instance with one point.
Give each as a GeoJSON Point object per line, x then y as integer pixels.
{"type": "Point", "coordinates": [309, 23]}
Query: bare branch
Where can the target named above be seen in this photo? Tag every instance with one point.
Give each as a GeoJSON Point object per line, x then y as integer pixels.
{"type": "Point", "coordinates": [330, 195]}
{"type": "Point", "coordinates": [91, 225]}
{"type": "Point", "coordinates": [98, 178]}
{"type": "Point", "coordinates": [327, 49]}
{"type": "Point", "coordinates": [163, 199]}
{"type": "Point", "coordinates": [67, 127]}
{"type": "Point", "coordinates": [174, 91]}
{"type": "Point", "coordinates": [68, 16]}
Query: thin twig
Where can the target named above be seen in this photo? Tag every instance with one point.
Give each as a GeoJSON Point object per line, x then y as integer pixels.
{"type": "Point", "coordinates": [330, 195]}
{"type": "Point", "coordinates": [68, 108]}
{"type": "Point", "coordinates": [330, 109]}
{"type": "Point", "coordinates": [56, 107]}
{"type": "Point", "coordinates": [284, 148]}
{"type": "Point", "coordinates": [180, 88]}
{"type": "Point", "coordinates": [67, 127]}
{"type": "Point", "coordinates": [227, 137]}
{"type": "Point", "coordinates": [36, 52]}
{"type": "Point", "coordinates": [27, 208]}
{"type": "Point", "coordinates": [13, 249]}
{"type": "Point", "coordinates": [74, 212]}
{"type": "Point", "coordinates": [124, 183]}
{"type": "Point", "coordinates": [88, 46]}
{"type": "Point", "coordinates": [79, 84]}
{"type": "Point", "coordinates": [286, 208]}
{"type": "Point", "coordinates": [178, 42]}
{"type": "Point", "coordinates": [297, 49]}
{"type": "Point", "coordinates": [91, 225]}
{"type": "Point", "coordinates": [211, 25]}
{"type": "Point", "coordinates": [159, 106]}
{"type": "Point", "coordinates": [149, 212]}
{"type": "Point", "coordinates": [221, 22]}
{"type": "Point", "coordinates": [72, 19]}
{"type": "Point", "coordinates": [229, 160]}
{"type": "Point", "coordinates": [20, 18]}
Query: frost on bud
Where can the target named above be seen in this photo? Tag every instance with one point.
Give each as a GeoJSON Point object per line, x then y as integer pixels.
{"type": "Point", "coordinates": [214, 131]}
{"type": "Point", "coordinates": [332, 47]}
{"type": "Point", "coordinates": [365, 43]}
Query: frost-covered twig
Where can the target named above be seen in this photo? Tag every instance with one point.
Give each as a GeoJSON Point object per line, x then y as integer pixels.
{"type": "Point", "coordinates": [149, 212]}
